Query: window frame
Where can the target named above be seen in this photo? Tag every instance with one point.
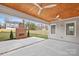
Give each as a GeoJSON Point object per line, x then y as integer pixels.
{"type": "Point", "coordinates": [74, 28]}
{"type": "Point", "coordinates": [55, 28]}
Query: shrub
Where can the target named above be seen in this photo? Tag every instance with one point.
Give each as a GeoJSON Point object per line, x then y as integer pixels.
{"type": "Point", "coordinates": [28, 34]}
{"type": "Point", "coordinates": [11, 34]}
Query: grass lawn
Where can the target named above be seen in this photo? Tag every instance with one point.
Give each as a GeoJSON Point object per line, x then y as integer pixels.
{"type": "Point", "coordinates": [33, 33]}
{"type": "Point", "coordinates": [5, 36]}
{"type": "Point", "coordinates": [38, 35]}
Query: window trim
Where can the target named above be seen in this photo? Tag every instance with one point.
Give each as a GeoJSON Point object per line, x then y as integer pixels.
{"type": "Point", "coordinates": [55, 28]}
{"type": "Point", "coordinates": [74, 25]}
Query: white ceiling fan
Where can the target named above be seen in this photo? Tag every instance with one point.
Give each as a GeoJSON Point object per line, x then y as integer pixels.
{"type": "Point", "coordinates": [41, 8]}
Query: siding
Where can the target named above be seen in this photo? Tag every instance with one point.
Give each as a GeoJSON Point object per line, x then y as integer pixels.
{"type": "Point", "coordinates": [60, 30]}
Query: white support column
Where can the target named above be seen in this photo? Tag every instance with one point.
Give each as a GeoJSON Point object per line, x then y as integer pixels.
{"type": "Point", "coordinates": [49, 31]}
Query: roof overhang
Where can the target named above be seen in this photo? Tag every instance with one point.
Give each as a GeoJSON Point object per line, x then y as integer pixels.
{"type": "Point", "coordinates": [13, 12]}
{"type": "Point", "coordinates": [61, 10]}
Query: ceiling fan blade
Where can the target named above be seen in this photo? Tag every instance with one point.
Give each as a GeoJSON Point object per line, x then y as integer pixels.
{"type": "Point", "coordinates": [49, 6]}
{"type": "Point", "coordinates": [39, 12]}
{"type": "Point", "coordinates": [40, 8]}
{"type": "Point", "coordinates": [37, 5]}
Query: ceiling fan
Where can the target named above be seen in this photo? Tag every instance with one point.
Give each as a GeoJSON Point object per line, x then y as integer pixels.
{"type": "Point", "coordinates": [41, 8]}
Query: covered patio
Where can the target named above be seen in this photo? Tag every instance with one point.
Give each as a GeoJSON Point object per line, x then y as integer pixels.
{"type": "Point", "coordinates": [63, 29]}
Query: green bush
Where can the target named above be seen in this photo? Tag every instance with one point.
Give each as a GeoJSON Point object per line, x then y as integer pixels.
{"type": "Point", "coordinates": [28, 34]}
{"type": "Point", "coordinates": [11, 34]}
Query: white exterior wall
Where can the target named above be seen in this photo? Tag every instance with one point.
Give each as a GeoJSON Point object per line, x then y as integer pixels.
{"type": "Point", "coordinates": [61, 30]}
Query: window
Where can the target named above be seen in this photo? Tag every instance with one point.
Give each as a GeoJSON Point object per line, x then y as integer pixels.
{"type": "Point", "coordinates": [70, 28]}
{"type": "Point", "coordinates": [53, 28]}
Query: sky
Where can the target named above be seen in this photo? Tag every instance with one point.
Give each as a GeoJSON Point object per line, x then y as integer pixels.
{"type": "Point", "coordinates": [3, 17]}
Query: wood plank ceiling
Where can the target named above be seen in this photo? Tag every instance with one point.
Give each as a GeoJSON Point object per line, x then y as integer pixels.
{"type": "Point", "coordinates": [47, 11]}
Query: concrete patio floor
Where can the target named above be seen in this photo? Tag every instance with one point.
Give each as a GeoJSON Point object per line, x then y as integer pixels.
{"type": "Point", "coordinates": [39, 47]}
{"type": "Point", "coordinates": [11, 45]}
